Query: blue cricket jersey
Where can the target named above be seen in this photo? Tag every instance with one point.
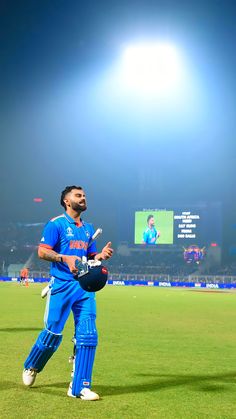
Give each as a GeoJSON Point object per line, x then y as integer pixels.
{"type": "Point", "coordinates": [150, 235]}
{"type": "Point", "coordinates": [66, 237]}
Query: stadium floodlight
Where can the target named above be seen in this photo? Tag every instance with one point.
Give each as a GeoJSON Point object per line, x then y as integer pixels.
{"type": "Point", "coordinates": [151, 67]}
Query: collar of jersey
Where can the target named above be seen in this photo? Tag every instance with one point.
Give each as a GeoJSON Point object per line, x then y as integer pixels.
{"type": "Point", "coordinates": [72, 221]}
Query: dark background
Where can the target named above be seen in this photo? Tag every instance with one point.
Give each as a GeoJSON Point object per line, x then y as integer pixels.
{"type": "Point", "coordinates": [62, 123]}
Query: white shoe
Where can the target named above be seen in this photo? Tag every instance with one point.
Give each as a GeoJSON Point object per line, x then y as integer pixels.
{"type": "Point", "coordinates": [29, 377]}
{"type": "Point", "coordinates": [85, 394]}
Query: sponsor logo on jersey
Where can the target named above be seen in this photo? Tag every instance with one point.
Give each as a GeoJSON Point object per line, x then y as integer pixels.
{"type": "Point", "coordinates": [78, 244]}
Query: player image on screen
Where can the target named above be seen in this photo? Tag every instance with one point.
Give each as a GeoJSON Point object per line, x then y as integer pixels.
{"type": "Point", "coordinates": [150, 235]}
{"type": "Point", "coordinates": [153, 227]}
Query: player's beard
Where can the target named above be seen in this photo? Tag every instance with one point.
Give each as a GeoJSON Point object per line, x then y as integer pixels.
{"type": "Point", "coordinates": [77, 207]}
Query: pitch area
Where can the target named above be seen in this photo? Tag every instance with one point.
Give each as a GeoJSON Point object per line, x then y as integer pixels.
{"type": "Point", "coordinates": [163, 353]}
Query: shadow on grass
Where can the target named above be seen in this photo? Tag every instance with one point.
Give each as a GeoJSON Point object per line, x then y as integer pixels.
{"type": "Point", "coordinates": [50, 389]}
{"type": "Point", "coordinates": [52, 385]}
{"type": "Point", "coordinates": [8, 385]}
{"type": "Point", "coordinates": [19, 329]}
{"type": "Point", "coordinates": [215, 383]}
{"type": "Point", "coordinates": [205, 383]}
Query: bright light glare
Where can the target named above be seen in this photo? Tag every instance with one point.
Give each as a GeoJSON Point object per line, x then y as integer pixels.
{"type": "Point", "coordinates": [152, 67]}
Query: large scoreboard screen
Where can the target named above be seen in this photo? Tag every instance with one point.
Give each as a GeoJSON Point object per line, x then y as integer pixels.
{"type": "Point", "coordinates": [174, 225]}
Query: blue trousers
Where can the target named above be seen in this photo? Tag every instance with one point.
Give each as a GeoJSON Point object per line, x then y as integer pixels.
{"type": "Point", "coordinates": [63, 297]}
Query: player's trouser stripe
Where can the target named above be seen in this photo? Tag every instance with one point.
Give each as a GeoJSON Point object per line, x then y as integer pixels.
{"type": "Point", "coordinates": [47, 308]}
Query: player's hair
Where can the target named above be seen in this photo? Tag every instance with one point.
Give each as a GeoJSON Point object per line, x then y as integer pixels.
{"type": "Point", "coordinates": [66, 191]}
{"type": "Point", "coordinates": [149, 218]}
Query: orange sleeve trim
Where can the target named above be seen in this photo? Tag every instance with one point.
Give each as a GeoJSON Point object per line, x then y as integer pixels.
{"type": "Point", "coordinates": [45, 245]}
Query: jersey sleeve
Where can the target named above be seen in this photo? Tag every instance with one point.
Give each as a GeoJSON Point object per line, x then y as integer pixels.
{"type": "Point", "coordinates": [50, 235]}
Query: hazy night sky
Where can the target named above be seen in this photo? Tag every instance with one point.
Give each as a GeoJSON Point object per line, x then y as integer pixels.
{"type": "Point", "coordinates": [63, 123]}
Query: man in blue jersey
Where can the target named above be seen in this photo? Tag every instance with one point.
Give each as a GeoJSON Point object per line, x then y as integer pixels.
{"type": "Point", "coordinates": [67, 239]}
{"type": "Point", "coordinates": [150, 235]}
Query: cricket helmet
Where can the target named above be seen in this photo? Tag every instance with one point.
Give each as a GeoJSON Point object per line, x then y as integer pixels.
{"type": "Point", "coordinates": [95, 279]}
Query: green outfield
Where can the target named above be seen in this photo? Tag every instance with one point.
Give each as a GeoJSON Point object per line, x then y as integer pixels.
{"type": "Point", "coordinates": [162, 353]}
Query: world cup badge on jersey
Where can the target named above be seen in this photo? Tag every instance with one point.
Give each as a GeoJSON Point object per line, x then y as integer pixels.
{"type": "Point", "coordinates": [69, 232]}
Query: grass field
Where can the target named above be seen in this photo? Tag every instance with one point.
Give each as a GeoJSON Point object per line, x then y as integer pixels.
{"type": "Point", "coordinates": [162, 353]}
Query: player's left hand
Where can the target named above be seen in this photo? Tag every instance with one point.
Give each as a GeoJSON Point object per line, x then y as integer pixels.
{"type": "Point", "coordinates": [107, 251]}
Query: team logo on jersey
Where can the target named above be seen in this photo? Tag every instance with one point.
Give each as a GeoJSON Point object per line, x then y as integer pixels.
{"type": "Point", "coordinates": [42, 239]}
{"type": "Point", "coordinates": [87, 234]}
{"type": "Point", "coordinates": [69, 231]}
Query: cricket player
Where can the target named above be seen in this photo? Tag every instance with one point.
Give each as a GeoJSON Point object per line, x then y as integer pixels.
{"type": "Point", "coordinates": [24, 274]}
{"type": "Point", "coordinates": [66, 239]}
{"type": "Point", "coordinates": [150, 235]}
